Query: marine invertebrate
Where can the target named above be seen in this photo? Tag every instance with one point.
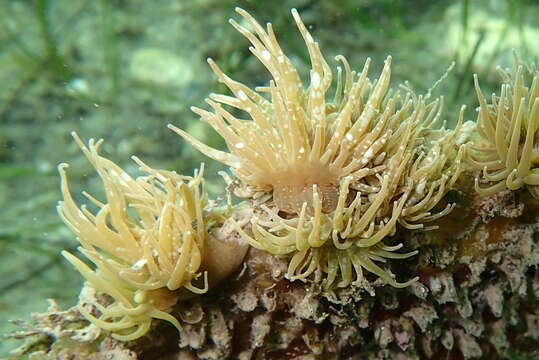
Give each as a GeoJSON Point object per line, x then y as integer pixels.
{"type": "Point", "coordinates": [147, 242]}
{"type": "Point", "coordinates": [341, 173]}
{"type": "Point", "coordinates": [506, 152]}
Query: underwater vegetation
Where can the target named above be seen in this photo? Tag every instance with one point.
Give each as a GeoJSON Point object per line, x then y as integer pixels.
{"type": "Point", "coordinates": [339, 180]}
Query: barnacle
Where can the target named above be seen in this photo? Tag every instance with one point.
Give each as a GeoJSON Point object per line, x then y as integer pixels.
{"type": "Point", "coordinates": [341, 174]}
{"type": "Point", "coordinates": [507, 152]}
{"type": "Point", "coordinates": [147, 242]}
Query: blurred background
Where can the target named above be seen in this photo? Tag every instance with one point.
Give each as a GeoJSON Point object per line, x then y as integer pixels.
{"type": "Point", "coordinates": [123, 69]}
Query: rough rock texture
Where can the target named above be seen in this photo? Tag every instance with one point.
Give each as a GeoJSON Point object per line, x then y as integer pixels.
{"type": "Point", "coordinates": [477, 297]}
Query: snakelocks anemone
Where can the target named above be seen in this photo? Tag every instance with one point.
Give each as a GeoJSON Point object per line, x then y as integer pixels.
{"type": "Point", "coordinates": [147, 241]}
{"type": "Point", "coordinates": [331, 179]}
{"type": "Point", "coordinates": [506, 152]}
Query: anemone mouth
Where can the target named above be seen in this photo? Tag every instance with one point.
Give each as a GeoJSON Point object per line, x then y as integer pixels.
{"type": "Point", "coordinates": [297, 184]}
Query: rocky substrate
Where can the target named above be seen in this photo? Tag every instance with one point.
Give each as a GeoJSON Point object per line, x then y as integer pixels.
{"type": "Point", "coordinates": [477, 297]}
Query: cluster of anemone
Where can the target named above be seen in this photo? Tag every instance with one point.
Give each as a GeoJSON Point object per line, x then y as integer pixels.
{"type": "Point", "coordinates": [328, 181]}
{"type": "Point", "coordinates": [506, 152]}
{"type": "Point", "coordinates": [333, 178]}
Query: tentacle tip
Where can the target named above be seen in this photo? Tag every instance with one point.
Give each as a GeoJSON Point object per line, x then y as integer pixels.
{"type": "Point", "coordinates": [62, 166]}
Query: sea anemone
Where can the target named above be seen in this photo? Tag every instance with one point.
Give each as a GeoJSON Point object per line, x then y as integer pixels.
{"type": "Point", "coordinates": [506, 152]}
{"type": "Point", "coordinates": [147, 241]}
{"type": "Point", "coordinates": [340, 174]}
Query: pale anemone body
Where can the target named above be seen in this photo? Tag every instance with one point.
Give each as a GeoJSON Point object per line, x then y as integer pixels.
{"type": "Point", "coordinates": [507, 153]}
{"type": "Point", "coordinates": [343, 173]}
{"type": "Point", "coordinates": [146, 241]}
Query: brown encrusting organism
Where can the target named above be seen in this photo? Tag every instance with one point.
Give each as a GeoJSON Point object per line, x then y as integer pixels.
{"type": "Point", "coordinates": [341, 172]}
{"type": "Point", "coordinates": [507, 151]}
